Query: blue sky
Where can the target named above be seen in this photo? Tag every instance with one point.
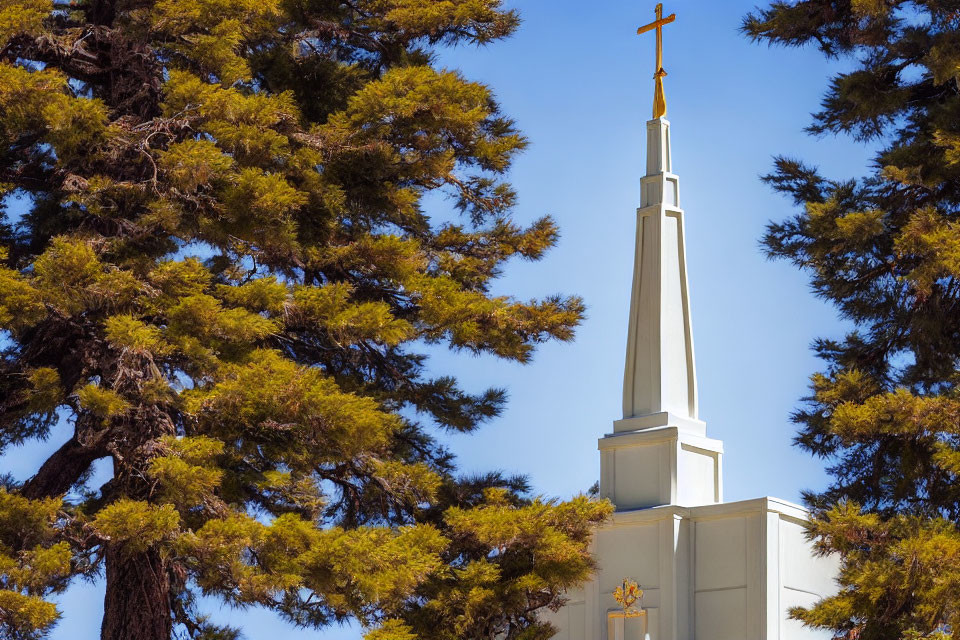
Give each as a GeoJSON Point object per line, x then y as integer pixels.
{"type": "Point", "coordinates": [578, 81]}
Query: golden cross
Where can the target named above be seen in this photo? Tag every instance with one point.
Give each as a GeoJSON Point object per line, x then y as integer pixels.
{"type": "Point", "coordinates": [659, 99]}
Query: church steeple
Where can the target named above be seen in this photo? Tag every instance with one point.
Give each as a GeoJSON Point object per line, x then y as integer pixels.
{"type": "Point", "coordinates": [660, 372]}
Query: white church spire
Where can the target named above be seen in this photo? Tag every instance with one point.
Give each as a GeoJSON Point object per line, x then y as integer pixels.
{"type": "Point", "coordinates": [660, 372]}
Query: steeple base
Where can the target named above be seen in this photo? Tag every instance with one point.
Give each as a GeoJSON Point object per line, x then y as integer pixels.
{"type": "Point", "coordinates": [659, 466]}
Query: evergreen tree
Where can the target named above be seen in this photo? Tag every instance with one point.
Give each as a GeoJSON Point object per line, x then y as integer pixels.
{"type": "Point", "coordinates": [216, 269]}
{"type": "Point", "coordinates": [885, 249]}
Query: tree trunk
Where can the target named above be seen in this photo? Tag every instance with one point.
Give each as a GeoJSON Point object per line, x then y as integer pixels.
{"type": "Point", "coordinates": [137, 604]}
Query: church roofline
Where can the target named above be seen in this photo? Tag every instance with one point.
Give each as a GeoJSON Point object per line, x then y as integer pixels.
{"type": "Point", "coordinates": [767, 504]}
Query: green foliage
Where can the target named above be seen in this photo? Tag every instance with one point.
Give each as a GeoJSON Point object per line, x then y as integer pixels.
{"type": "Point", "coordinates": [391, 630]}
{"type": "Point", "coordinates": [73, 125]}
{"type": "Point", "coordinates": [21, 304]}
{"type": "Point", "coordinates": [899, 578]}
{"type": "Point", "coordinates": [136, 526]}
{"type": "Point", "coordinates": [886, 251]}
{"type": "Point", "coordinates": [23, 96]}
{"type": "Point", "coordinates": [515, 559]}
{"type": "Point", "coordinates": [33, 564]}
{"type": "Point", "coordinates": [101, 401]}
{"type": "Point", "coordinates": [126, 332]}
{"type": "Point", "coordinates": [192, 163]}
{"type": "Point", "coordinates": [345, 321]}
{"type": "Point", "coordinates": [19, 16]}
{"type": "Point", "coordinates": [45, 392]}
{"type": "Point", "coordinates": [189, 475]}
{"type": "Point", "coordinates": [223, 281]}
{"type": "Point", "coordinates": [26, 616]}
{"type": "Point", "coordinates": [66, 273]}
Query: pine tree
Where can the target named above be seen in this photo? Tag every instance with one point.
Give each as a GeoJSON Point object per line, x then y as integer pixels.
{"type": "Point", "coordinates": [885, 250]}
{"type": "Point", "coordinates": [215, 267]}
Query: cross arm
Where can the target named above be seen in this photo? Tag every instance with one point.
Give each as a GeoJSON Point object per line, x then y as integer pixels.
{"type": "Point", "coordinates": [659, 23]}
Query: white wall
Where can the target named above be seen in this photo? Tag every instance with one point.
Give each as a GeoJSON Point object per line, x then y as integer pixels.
{"type": "Point", "coordinates": [726, 571]}
{"type": "Point", "coordinates": [720, 577]}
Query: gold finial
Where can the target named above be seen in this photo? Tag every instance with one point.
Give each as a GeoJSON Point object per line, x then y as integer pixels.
{"type": "Point", "coordinates": [627, 595]}
{"type": "Point", "coordinates": [659, 99]}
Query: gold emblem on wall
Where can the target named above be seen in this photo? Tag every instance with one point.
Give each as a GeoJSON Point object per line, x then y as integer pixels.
{"type": "Point", "coordinates": [627, 595]}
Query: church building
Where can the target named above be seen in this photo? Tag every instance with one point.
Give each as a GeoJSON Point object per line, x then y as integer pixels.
{"type": "Point", "coordinates": [708, 569]}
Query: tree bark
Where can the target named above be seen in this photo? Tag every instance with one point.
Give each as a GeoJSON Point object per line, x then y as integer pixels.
{"type": "Point", "coordinates": [137, 604]}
